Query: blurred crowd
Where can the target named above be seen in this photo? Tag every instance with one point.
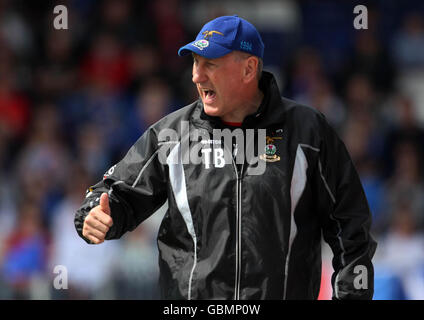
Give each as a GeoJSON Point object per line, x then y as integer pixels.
{"type": "Point", "coordinates": [73, 101]}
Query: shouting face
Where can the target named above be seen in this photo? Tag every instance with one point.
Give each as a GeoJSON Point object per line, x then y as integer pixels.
{"type": "Point", "coordinates": [222, 84]}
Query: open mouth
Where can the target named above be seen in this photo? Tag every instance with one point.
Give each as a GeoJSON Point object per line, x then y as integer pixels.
{"type": "Point", "coordinates": [209, 95]}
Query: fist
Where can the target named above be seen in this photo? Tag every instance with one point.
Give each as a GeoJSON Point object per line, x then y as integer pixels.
{"type": "Point", "coordinates": [98, 221]}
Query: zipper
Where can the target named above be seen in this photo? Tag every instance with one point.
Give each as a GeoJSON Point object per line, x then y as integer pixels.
{"type": "Point", "coordinates": [239, 236]}
{"type": "Point", "coordinates": [238, 233]}
{"type": "Point", "coordinates": [238, 228]}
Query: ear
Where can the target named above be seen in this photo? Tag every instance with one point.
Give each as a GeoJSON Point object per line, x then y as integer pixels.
{"type": "Point", "coordinates": [250, 69]}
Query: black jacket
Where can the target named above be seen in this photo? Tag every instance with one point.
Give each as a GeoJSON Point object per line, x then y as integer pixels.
{"type": "Point", "coordinates": [231, 234]}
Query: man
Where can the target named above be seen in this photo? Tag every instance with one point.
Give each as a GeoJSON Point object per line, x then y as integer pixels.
{"type": "Point", "coordinates": [232, 232]}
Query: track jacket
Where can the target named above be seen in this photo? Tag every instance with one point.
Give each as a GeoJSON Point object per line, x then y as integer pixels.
{"type": "Point", "coordinates": [230, 234]}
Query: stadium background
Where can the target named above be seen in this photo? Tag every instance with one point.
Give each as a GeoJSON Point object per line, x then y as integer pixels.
{"type": "Point", "coordinates": [73, 101]}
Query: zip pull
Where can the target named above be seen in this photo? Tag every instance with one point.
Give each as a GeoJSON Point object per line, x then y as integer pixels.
{"type": "Point", "coordinates": [240, 172]}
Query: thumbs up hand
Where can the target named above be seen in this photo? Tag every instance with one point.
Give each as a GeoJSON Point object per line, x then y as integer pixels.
{"type": "Point", "coordinates": [98, 221]}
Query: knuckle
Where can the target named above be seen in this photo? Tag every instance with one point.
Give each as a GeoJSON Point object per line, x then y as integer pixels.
{"type": "Point", "coordinates": [97, 240]}
{"type": "Point", "coordinates": [93, 212]}
{"type": "Point", "coordinates": [100, 234]}
{"type": "Point", "coordinates": [85, 229]}
{"type": "Point", "coordinates": [89, 222]}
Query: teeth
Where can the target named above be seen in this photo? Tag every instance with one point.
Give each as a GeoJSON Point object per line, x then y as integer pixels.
{"type": "Point", "coordinates": [208, 92]}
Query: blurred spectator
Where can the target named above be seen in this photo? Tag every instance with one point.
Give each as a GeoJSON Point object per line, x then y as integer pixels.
{"type": "Point", "coordinates": [404, 127]}
{"type": "Point", "coordinates": [387, 284]}
{"type": "Point", "coordinates": [364, 105]}
{"type": "Point", "coordinates": [144, 63]}
{"type": "Point", "coordinates": [360, 95]}
{"type": "Point", "coordinates": [128, 20]}
{"type": "Point", "coordinates": [307, 71]}
{"type": "Point", "coordinates": [322, 97]}
{"type": "Point", "coordinates": [7, 203]}
{"type": "Point", "coordinates": [407, 48]}
{"type": "Point", "coordinates": [15, 30]}
{"type": "Point", "coordinates": [408, 44]}
{"type": "Point", "coordinates": [92, 153]}
{"type": "Point", "coordinates": [365, 143]}
{"type": "Point", "coordinates": [55, 72]}
{"type": "Point", "coordinates": [101, 101]}
{"type": "Point", "coordinates": [374, 188]}
{"type": "Point", "coordinates": [369, 58]}
{"type": "Point", "coordinates": [361, 135]}
{"type": "Point", "coordinates": [169, 31]}
{"type": "Point", "coordinates": [153, 101]}
{"type": "Point", "coordinates": [14, 104]}
{"type": "Point", "coordinates": [44, 155]}
{"type": "Point", "coordinates": [405, 187]}
{"type": "Point", "coordinates": [402, 250]}
{"type": "Point", "coordinates": [26, 251]}
{"type": "Point", "coordinates": [116, 15]}
{"type": "Point", "coordinates": [105, 67]}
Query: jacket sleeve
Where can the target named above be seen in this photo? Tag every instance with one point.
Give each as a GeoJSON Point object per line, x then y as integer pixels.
{"type": "Point", "coordinates": [345, 217]}
{"type": "Point", "coordinates": [136, 186]}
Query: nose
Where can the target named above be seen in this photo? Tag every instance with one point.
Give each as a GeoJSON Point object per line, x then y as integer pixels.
{"type": "Point", "coordinates": [199, 75]}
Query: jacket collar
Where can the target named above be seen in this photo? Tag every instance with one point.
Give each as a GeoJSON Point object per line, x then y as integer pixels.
{"type": "Point", "coordinates": [268, 113]}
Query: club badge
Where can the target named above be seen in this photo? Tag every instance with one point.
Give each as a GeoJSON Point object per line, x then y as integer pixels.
{"type": "Point", "coordinates": [270, 154]}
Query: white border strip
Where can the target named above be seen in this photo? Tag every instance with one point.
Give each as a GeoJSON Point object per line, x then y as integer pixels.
{"type": "Point", "coordinates": [298, 184]}
{"type": "Point", "coordinates": [179, 188]}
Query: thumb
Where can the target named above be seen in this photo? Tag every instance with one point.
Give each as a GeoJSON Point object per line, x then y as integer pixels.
{"type": "Point", "coordinates": [104, 203]}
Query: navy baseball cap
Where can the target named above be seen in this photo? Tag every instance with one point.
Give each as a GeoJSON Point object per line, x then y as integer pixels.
{"type": "Point", "coordinates": [224, 35]}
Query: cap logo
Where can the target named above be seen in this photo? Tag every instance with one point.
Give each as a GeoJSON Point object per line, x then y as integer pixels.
{"type": "Point", "coordinates": [201, 44]}
{"type": "Point", "coordinates": [247, 46]}
{"type": "Point", "coordinates": [207, 34]}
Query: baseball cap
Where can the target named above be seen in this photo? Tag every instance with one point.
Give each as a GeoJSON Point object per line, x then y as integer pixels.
{"type": "Point", "coordinates": [224, 35]}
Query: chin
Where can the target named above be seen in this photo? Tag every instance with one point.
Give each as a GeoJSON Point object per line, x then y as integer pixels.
{"type": "Point", "coordinates": [211, 111]}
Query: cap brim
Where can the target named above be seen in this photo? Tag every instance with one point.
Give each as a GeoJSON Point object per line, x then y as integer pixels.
{"type": "Point", "coordinates": [212, 51]}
